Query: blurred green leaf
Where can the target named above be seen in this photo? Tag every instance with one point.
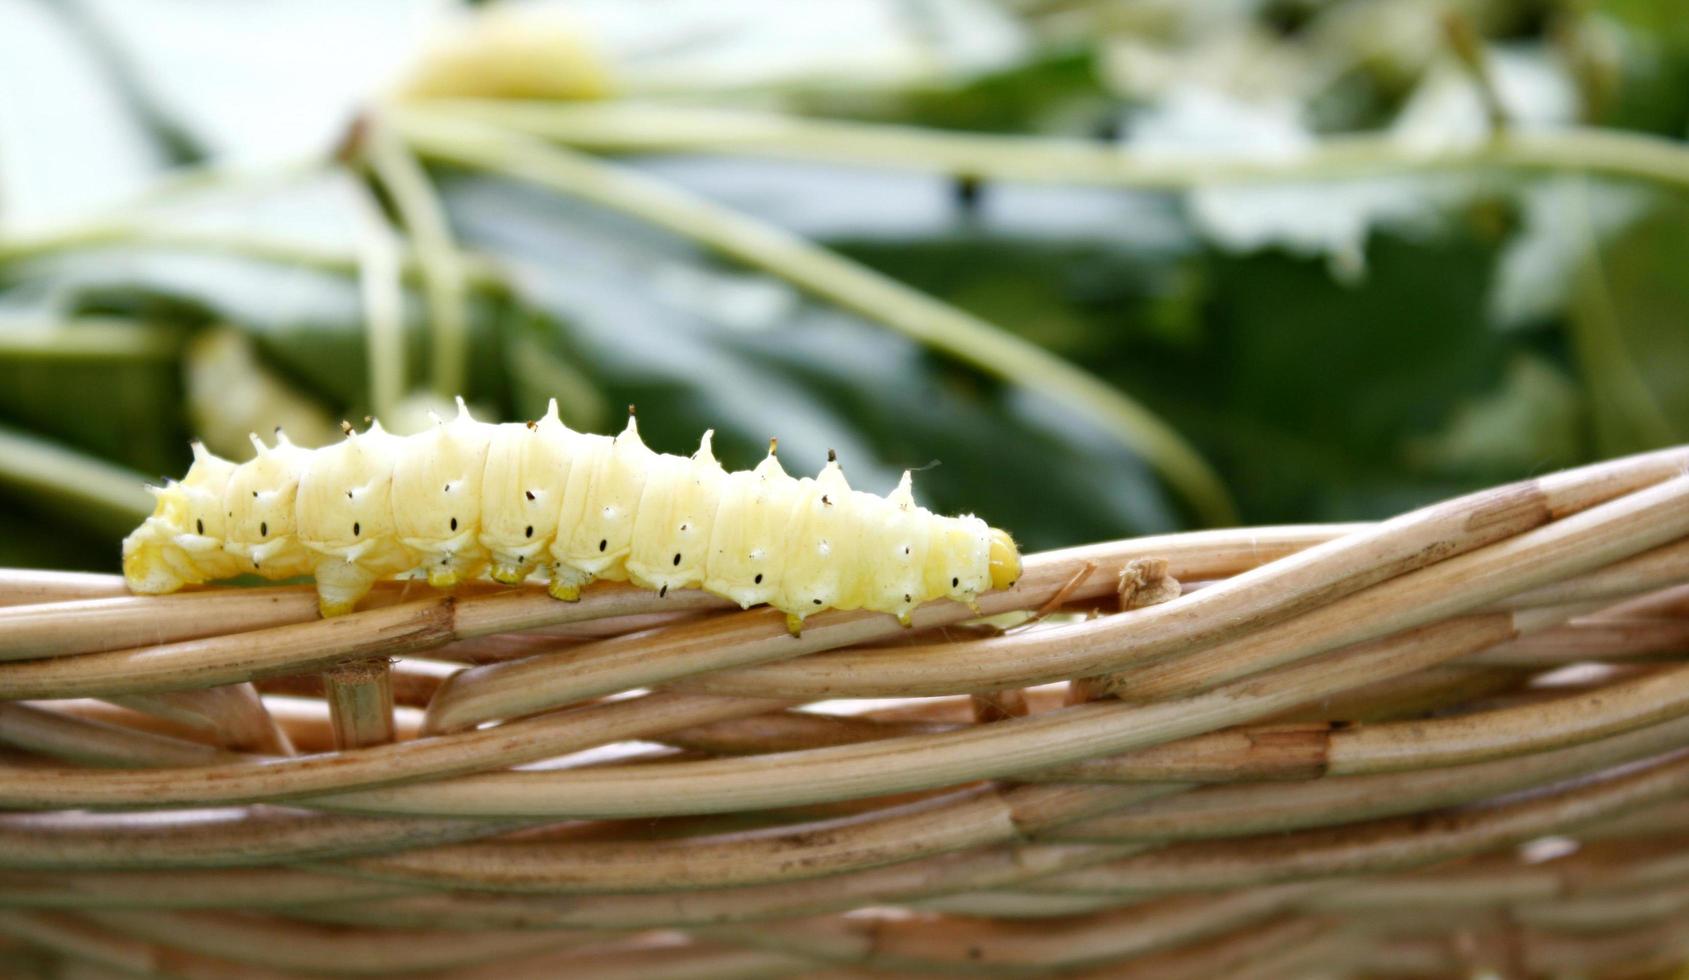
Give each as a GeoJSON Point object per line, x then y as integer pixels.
{"type": "Point", "coordinates": [1532, 421]}
{"type": "Point", "coordinates": [307, 321]}
{"type": "Point", "coordinates": [694, 343]}
{"type": "Point", "coordinates": [1630, 321]}
{"type": "Point", "coordinates": [1056, 91]}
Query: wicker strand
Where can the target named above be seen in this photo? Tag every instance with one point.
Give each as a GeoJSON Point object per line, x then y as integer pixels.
{"type": "Point", "coordinates": [1449, 742]}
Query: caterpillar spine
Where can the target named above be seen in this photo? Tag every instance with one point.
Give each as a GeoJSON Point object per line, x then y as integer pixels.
{"type": "Point", "coordinates": [467, 497]}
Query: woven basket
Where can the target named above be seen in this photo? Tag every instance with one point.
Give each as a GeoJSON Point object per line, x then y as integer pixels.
{"type": "Point", "coordinates": [1448, 742]}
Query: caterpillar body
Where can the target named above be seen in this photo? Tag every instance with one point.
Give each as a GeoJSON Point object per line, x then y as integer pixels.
{"type": "Point", "coordinates": [467, 497]}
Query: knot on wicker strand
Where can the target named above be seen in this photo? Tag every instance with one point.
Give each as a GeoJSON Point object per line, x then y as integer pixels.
{"type": "Point", "coordinates": [1145, 582]}
{"type": "Point", "coordinates": [1142, 582]}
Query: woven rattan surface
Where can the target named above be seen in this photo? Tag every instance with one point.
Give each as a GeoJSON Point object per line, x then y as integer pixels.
{"type": "Point", "coordinates": [1448, 742]}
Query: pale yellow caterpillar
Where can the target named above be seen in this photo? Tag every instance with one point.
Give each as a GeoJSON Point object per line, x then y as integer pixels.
{"type": "Point", "coordinates": [468, 497]}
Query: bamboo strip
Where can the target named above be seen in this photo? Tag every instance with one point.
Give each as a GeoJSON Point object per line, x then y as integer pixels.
{"type": "Point", "coordinates": [1617, 707]}
{"type": "Point", "coordinates": [865, 844]}
{"type": "Point", "coordinates": [1579, 543]}
{"type": "Point", "coordinates": [815, 850]}
{"type": "Point", "coordinates": [305, 721]}
{"type": "Point", "coordinates": [1429, 692]}
{"type": "Point", "coordinates": [940, 876]}
{"type": "Point", "coordinates": [1002, 749]}
{"type": "Point", "coordinates": [1393, 747]}
{"type": "Point", "coordinates": [360, 701]}
{"type": "Point", "coordinates": [240, 657]}
{"type": "Point", "coordinates": [1215, 630]}
{"type": "Point", "coordinates": [1230, 811]}
{"type": "Point", "coordinates": [433, 622]}
{"type": "Point", "coordinates": [527, 686]}
{"type": "Point", "coordinates": [807, 849]}
{"type": "Point", "coordinates": [1284, 752]}
{"type": "Point", "coordinates": [968, 819]}
{"type": "Point", "coordinates": [1651, 822]}
{"type": "Point", "coordinates": [1656, 568]}
{"type": "Point", "coordinates": [281, 945]}
{"type": "Point", "coordinates": [1333, 954]}
{"type": "Point", "coordinates": [1007, 865]}
{"type": "Point", "coordinates": [539, 738]}
{"type": "Point", "coordinates": [75, 937]}
{"type": "Point", "coordinates": [902, 943]}
{"type": "Point", "coordinates": [1217, 956]}
{"type": "Point", "coordinates": [228, 837]}
{"type": "Point", "coordinates": [99, 743]}
{"type": "Point", "coordinates": [58, 628]}
{"type": "Point", "coordinates": [1379, 845]}
{"type": "Point", "coordinates": [1007, 904]}
{"type": "Point", "coordinates": [412, 680]}
{"type": "Point", "coordinates": [1604, 912]}
{"type": "Point", "coordinates": [688, 961]}
{"type": "Point", "coordinates": [1593, 638]}
{"type": "Point", "coordinates": [244, 888]}
{"type": "Point", "coordinates": [232, 716]}
{"type": "Point", "coordinates": [25, 586]}
{"type": "Point", "coordinates": [1274, 750]}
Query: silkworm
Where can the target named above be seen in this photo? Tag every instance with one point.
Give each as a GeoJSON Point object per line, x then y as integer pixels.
{"type": "Point", "coordinates": [466, 497]}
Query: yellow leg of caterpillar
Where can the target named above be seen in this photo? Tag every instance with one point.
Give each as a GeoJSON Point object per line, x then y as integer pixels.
{"type": "Point", "coordinates": [509, 574]}
{"type": "Point", "coordinates": [794, 625]}
{"type": "Point", "coordinates": [566, 582]}
{"type": "Point", "coordinates": [442, 578]}
{"type": "Point", "coordinates": [340, 585]}
{"type": "Point", "coordinates": [906, 619]}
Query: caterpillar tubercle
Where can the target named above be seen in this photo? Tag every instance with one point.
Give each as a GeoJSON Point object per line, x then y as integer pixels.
{"type": "Point", "coordinates": [465, 498]}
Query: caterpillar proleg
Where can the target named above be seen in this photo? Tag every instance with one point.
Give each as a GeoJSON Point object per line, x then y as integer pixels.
{"type": "Point", "coordinates": [512, 499]}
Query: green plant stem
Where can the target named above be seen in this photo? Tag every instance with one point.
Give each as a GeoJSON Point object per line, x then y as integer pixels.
{"type": "Point", "coordinates": [381, 286]}
{"type": "Point", "coordinates": [635, 127]}
{"type": "Point", "coordinates": [1628, 415]}
{"type": "Point", "coordinates": [86, 339]}
{"type": "Point", "coordinates": [832, 277]}
{"type": "Point", "coordinates": [478, 273]}
{"type": "Point", "coordinates": [443, 279]}
{"type": "Point", "coordinates": [116, 495]}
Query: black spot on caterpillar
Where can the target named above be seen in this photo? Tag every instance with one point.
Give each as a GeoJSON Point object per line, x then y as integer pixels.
{"type": "Point", "coordinates": [374, 505]}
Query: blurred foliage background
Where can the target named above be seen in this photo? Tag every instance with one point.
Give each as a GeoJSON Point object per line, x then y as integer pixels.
{"type": "Point", "coordinates": [1116, 268]}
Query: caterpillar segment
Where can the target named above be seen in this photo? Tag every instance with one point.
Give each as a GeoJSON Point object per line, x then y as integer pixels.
{"type": "Point", "coordinates": [467, 498]}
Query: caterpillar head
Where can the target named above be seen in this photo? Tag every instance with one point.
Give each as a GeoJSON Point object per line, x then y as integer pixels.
{"type": "Point", "coordinates": [181, 542]}
{"type": "Point", "coordinates": [1003, 559]}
